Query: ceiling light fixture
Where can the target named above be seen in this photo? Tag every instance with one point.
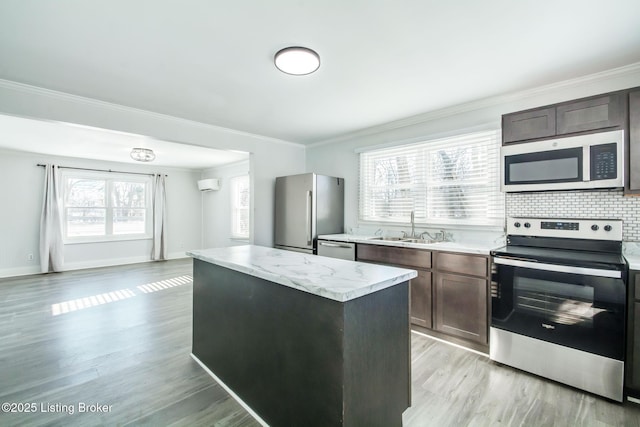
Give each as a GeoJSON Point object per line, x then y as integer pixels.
{"type": "Point", "coordinates": [297, 60]}
{"type": "Point", "coordinates": [142, 154]}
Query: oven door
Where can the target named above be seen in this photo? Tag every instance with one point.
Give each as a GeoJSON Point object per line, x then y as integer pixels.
{"type": "Point", "coordinates": [581, 308]}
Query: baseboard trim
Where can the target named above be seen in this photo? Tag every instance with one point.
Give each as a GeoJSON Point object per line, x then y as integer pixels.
{"type": "Point", "coordinates": [633, 399]}
{"type": "Point", "coordinates": [422, 334]}
{"type": "Point", "coordinates": [19, 271]}
{"type": "Point", "coordinates": [228, 390]}
{"type": "Point", "coordinates": [111, 262]}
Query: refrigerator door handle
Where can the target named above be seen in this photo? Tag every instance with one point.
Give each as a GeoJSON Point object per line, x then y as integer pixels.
{"type": "Point", "coordinates": [309, 217]}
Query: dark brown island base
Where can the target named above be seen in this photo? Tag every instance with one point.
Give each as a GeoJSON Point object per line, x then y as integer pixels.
{"type": "Point", "coordinates": [304, 340]}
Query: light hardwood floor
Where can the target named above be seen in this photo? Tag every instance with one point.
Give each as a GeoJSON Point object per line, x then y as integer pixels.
{"type": "Point", "coordinates": [121, 337]}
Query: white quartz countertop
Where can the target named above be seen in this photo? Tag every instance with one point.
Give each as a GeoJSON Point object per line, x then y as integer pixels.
{"type": "Point", "coordinates": [480, 248]}
{"type": "Point", "coordinates": [331, 278]}
{"type": "Point", "coordinates": [631, 252]}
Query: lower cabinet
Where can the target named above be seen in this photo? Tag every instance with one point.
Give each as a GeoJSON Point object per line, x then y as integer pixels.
{"type": "Point", "coordinates": [632, 365]}
{"type": "Point", "coordinates": [416, 259]}
{"type": "Point", "coordinates": [460, 301]}
{"type": "Point", "coordinates": [461, 306]}
{"type": "Point", "coordinates": [421, 291]}
{"type": "Point", "coordinates": [450, 294]}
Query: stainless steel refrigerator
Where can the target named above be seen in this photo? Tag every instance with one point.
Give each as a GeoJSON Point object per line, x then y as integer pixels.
{"type": "Point", "coordinates": [307, 205]}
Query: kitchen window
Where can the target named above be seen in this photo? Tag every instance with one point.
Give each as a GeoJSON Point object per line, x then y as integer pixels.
{"type": "Point", "coordinates": [448, 181]}
{"type": "Point", "coordinates": [240, 198]}
{"type": "Point", "coordinates": [99, 207]}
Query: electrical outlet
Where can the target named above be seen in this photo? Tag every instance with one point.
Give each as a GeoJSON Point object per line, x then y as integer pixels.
{"type": "Point", "coordinates": [181, 245]}
{"type": "Point", "coordinates": [30, 257]}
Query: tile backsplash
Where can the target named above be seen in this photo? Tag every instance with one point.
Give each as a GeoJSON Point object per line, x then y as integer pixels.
{"type": "Point", "coordinates": [580, 204]}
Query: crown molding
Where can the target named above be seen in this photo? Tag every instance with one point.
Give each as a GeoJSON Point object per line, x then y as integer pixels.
{"type": "Point", "coordinates": [483, 103]}
{"type": "Point", "coordinates": [81, 100]}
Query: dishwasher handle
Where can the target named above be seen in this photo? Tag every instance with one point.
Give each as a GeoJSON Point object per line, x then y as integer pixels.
{"type": "Point", "coordinates": [335, 245]}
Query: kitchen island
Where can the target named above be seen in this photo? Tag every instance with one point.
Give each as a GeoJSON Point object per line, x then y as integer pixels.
{"type": "Point", "coordinates": [303, 339]}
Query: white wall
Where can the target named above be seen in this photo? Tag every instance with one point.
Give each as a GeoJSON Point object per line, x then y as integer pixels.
{"type": "Point", "coordinates": [21, 188]}
{"type": "Point", "coordinates": [216, 207]}
{"type": "Point", "coordinates": [338, 157]}
{"type": "Point", "coordinates": [270, 158]}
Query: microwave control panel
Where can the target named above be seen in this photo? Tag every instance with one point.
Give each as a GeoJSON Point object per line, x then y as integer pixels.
{"type": "Point", "coordinates": [603, 162]}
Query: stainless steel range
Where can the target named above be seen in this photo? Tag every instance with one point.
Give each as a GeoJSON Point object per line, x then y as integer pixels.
{"type": "Point", "coordinates": [558, 302]}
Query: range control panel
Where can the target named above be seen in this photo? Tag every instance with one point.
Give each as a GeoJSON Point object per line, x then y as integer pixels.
{"type": "Point", "coordinates": [597, 229]}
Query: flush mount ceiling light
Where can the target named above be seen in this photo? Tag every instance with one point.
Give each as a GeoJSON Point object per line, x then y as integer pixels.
{"type": "Point", "coordinates": [142, 154]}
{"type": "Point", "coordinates": [297, 60]}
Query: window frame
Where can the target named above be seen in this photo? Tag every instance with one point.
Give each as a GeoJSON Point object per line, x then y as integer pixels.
{"type": "Point", "coordinates": [234, 183]}
{"type": "Point", "coordinates": [109, 178]}
{"type": "Point", "coordinates": [421, 188]}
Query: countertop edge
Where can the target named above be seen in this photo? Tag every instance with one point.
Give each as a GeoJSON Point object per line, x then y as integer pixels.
{"type": "Point", "coordinates": [443, 246]}
{"type": "Point", "coordinates": [634, 261]}
{"type": "Point", "coordinates": [403, 275]}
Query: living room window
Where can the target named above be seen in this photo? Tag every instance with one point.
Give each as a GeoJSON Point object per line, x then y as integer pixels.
{"type": "Point", "coordinates": [98, 206]}
{"type": "Point", "coordinates": [448, 181]}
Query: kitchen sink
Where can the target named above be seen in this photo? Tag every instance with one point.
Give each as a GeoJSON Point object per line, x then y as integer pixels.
{"type": "Point", "coordinates": [405, 239]}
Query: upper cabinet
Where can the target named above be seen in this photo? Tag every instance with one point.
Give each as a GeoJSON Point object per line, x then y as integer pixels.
{"type": "Point", "coordinates": [602, 112]}
{"type": "Point", "coordinates": [634, 141]}
{"type": "Point", "coordinates": [532, 124]}
{"type": "Point", "coordinates": [609, 111]}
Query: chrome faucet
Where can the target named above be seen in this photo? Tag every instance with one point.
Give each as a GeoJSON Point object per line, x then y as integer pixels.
{"type": "Point", "coordinates": [440, 236]}
{"type": "Point", "coordinates": [413, 224]}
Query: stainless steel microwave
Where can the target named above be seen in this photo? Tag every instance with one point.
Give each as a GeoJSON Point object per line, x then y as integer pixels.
{"type": "Point", "coordinates": [577, 162]}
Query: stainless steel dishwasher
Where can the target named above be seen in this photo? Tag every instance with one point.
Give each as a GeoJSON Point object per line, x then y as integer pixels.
{"type": "Point", "coordinates": [340, 250]}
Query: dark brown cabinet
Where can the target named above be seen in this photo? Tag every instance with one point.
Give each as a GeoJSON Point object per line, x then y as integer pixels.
{"type": "Point", "coordinates": [461, 306]}
{"type": "Point", "coordinates": [421, 299]}
{"type": "Point", "coordinates": [421, 286]}
{"type": "Point", "coordinates": [450, 294]}
{"type": "Point", "coordinates": [634, 141]}
{"type": "Point", "coordinates": [632, 376]}
{"type": "Point", "coordinates": [532, 124]}
{"type": "Point", "coordinates": [601, 112]}
{"type": "Point", "coordinates": [394, 255]}
{"type": "Point", "coordinates": [461, 296]}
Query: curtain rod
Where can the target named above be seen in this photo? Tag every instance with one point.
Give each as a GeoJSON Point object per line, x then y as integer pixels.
{"type": "Point", "coordinates": [100, 170]}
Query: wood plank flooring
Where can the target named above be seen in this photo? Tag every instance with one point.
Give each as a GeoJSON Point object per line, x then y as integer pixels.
{"type": "Point", "coordinates": [121, 337]}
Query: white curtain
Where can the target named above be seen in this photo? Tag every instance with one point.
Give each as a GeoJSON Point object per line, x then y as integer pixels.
{"type": "Point", "coordinates": [51, 244]}
{"type": "Point", "coordinates": [159, 250]}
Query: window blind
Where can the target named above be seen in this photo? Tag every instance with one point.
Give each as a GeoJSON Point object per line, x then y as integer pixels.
{"type": "Point", "coordinates": [240, 202]}
{"type": "Point", "coordinates": [453, 180]}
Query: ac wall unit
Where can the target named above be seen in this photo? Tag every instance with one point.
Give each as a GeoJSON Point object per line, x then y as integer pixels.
{"type": "Point", "coordinates": [209, 184]}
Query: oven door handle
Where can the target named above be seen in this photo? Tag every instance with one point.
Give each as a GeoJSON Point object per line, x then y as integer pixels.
{"type": "Point", "coordinates": [558, 268]}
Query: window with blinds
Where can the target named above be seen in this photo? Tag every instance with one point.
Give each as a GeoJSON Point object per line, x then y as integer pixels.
{"type": "Point", "coordinates": [447, 181]}
{"type": "Point", "coordinates": [240, 197]}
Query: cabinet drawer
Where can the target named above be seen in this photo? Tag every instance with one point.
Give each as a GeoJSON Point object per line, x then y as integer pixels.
{"type": "Point", "coordinates": [394, 255]}
{"type": "Point", "coordinates": [538, 123]}
{"type": "Point", "coordinates": [463, 264]}
{"type": "Point", "coordinates": [595, 113]}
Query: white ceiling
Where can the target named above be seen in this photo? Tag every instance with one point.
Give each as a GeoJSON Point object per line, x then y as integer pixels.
{"type": "Point", "coordinates": [60, 139]}
{"type": "Point", "coordinates": [381, 60]}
